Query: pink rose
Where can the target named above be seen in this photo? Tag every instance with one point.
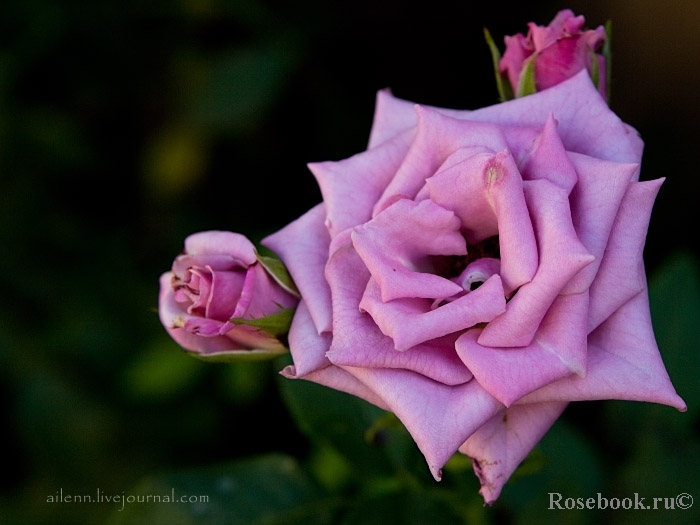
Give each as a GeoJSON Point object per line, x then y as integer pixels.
{"type": "Point", "coordinates": [548, 55]}
{"type": "Point", "coordinates": [473, 272]}
{"type": "Point", "coordinates": [218, 295]}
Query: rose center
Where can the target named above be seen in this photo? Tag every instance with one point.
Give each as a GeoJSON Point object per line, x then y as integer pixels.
{"type": "Point", "coordinates": [451, 266]}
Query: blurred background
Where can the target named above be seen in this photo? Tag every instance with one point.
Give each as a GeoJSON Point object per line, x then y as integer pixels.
{"type": "Point", "coordinates": [125, 126]}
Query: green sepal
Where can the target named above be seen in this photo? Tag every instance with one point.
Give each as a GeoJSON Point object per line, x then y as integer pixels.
{"type": "Point", "coordinates": [505, 91]}
{"type": "Point", "coordinates": [526, 82]}
{"type": "Point", "coordinates": [277, 324]}
{"type": "Point", "coordinates": [233, 356]}
{"type": "Point", "coordinates": [279, 273]}
{"type": "Point", "coordinates": [607, 54]}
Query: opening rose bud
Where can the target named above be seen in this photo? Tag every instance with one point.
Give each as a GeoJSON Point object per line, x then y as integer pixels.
{"type": "Point", "coordinates": [551, 54]}
{"type": "Point", "coordinates": [223, 300]}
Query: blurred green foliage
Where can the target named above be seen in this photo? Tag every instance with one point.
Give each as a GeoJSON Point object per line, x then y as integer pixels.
{"type": "Point", "coordinates": [125, 126]}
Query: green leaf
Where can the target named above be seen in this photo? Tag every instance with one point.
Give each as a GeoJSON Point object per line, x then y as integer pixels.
{"type": "Point", "coordinates": [342, 422]}
{"type": "Point", "coordinates": [277, 324]}
{"type": "Point", "coordinates": [526, 82]}
{"type": "Point", "coordinates": [402, 507]}
{"type": "Point", "coordinates": [568, 465]}
{"type": "Point", "coordinates": [674, 295]}
{"type": "Point", "coordinates": [269, 489]}
{"type": "Point", "coordinates": [279, 273]}
{"type": "Point", "coordinates": [505, 91]}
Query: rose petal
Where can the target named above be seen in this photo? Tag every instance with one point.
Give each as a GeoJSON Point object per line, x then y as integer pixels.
{"type": "Point", "coordinates": [504, 441]}
{"type": "Point", "coordinates": [558, 349]}
{"type": "Point", "coordinates": [222, 243]}
{"type": "Point", "coordinates": [351, 187]}
{"type": "Point", "coordinates": [307, 346]}
{"type": "Point", "coordinates": [337, 379]}
{"type": "Point", "coordinates": [412, 321]}
{"type": "Point", "coordinates": [437, 136]}
{"type": "Point", "coordinates": [576, 100]}
{"type": "Point", "coordinates": [303, 246]}
{"type": "Point", "coordinates": [392, 116]}
{"type": "Point", "coordinates": [561, 256]}
{"type": "Point", "coordinates": [174, 320]}
{"type": "Point", "coordinates": [594, 205]}
{"type": "Point", "coordinates": [490, 202]}
{"type": "Point", "coordinates": [223, 297]}
{"type": "Point", "coordinates": [623, 363]}
{"type": "Point", "coordinates": [261, 295]}
{"type": "Point", "coordinates": [396, 245]}
{"type": "Point", "coordinates": [621, 274]}
{"type": "Point", "coordinates": [549, 160]}
{"type": "Point", "coordinates": [357, 341]}
{"type": "Point", "coordinates": [438, 417]}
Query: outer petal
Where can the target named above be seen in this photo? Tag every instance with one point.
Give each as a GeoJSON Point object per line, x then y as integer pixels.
{"type": "Point", "coordinates": [351, 187]}
{"type": "Point", "coordinates": [558, 349]}
{"type": "Point", "coordinates": [621, 274]}
{"type": "Point", "coordinates": [392, 116]}
{"type": "Point", "coordinates": [501, 444]}
{"type": "Point", "coordinates": [438, 417]}
{"type": "Point", "coordinates": [561, 257]}
{"type": "Point", "coordinates": [586, 124]}
{"type": "Point", "coordinates": [623, 363]}
{"type": "Point", "coordinates": [594, 205]}
{"type": "Point", "coordinates": [307, 346]}
{"type": "Point", "coordinates": [303, 246]}
{"type": "Point", "coordinates": [337, 379]}
{"type": "Point", "coordinates": [222, 243]}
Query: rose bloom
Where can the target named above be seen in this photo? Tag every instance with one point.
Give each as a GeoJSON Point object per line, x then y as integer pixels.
{"type": "Point", "coordinates": [559, 51]}
{"type": "Point", "coordinates": [474, 272]}
{"type": "Point", "coordinates": [219, 277]}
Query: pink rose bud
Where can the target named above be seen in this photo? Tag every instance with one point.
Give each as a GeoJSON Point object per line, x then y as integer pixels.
{"type": "Point", "coordinates": [548, 55]}
{"type": "Point", "coordinates": [222, 298]}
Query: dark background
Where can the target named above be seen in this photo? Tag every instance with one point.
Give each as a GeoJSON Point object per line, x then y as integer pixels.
{"type": "Point", "coordinates": [125, 126]}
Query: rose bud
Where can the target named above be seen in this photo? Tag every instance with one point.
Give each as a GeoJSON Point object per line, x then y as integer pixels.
{"type": "Point", "coordinates": [473, 272]}
{"type": "Point", "coordinates": [222, 299]}
{"type": "Point", "coordinates": [548, 55]}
